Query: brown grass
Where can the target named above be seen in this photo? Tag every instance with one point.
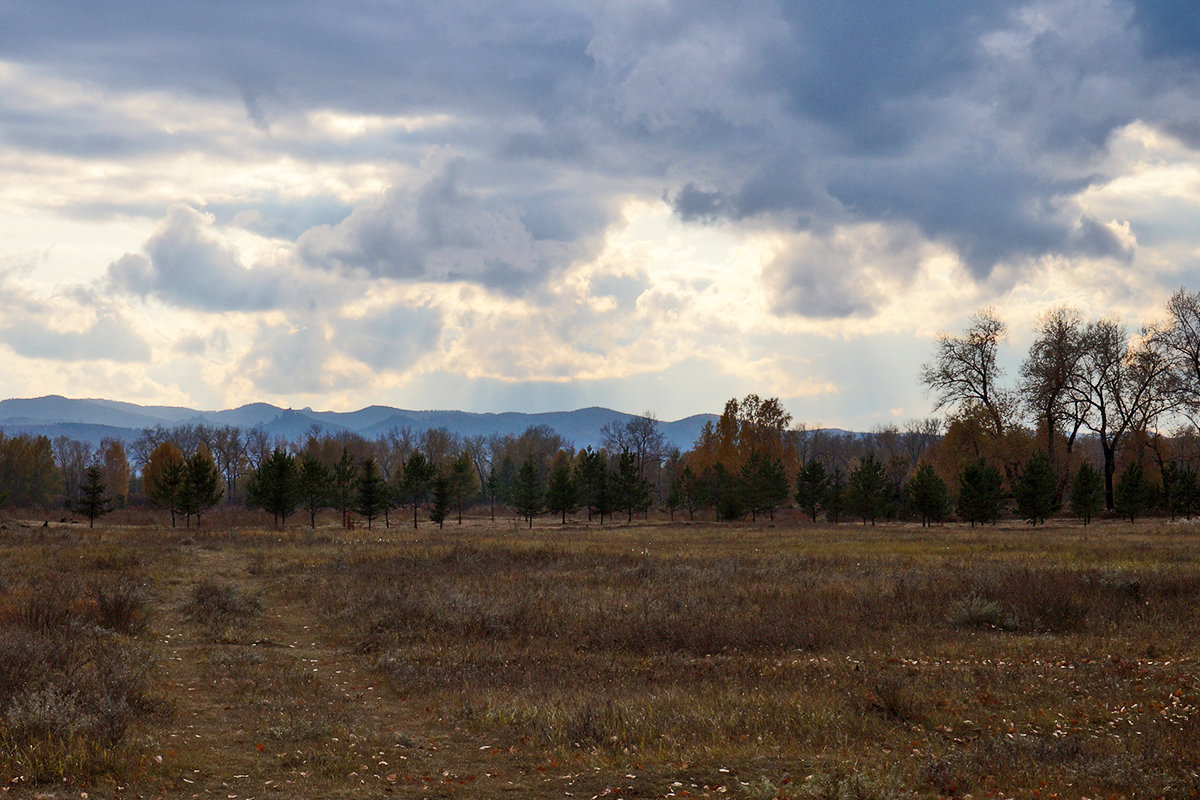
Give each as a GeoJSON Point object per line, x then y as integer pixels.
{"type": "Point", "coordinates": [647, 661]}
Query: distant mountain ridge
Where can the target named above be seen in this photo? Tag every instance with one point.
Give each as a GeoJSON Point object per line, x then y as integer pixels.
{"type": "Point", "coordinates": [94, 419]}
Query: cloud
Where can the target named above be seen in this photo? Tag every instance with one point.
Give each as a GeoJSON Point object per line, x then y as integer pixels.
{"type": "Point", "coordinates": [185, 263]}
{"type": "Point", "coordinates": [109, 338]}
{"type": "Point", "coordinates": [289, 359]}
{"type": "Point", "coordinates": [1168, 28]}
{"type": "Point", "coordinates": [976, 122]}
{"type": "Point", "coordinates": [845, 273]}
{"type": "Point", "coordinates": [441, 230]}
{"type": "Point", "coordinates": [372, 193]}
{"type": "Point", "coordinates": [389, 339]}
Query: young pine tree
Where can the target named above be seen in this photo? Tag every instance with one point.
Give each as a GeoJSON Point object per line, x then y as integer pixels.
{"type": "Point", "coordinates": [274, 486]}
{"type": "Point", "coordinates": [440, 493]}
{"type": "Point", "coordinates": [527, 491]}
{"type": "Point", "coordinates": [764, 485]}
{"type": "Point", "coordinates": [631, 489]}
{"type": "Point", "coordinates": [93, 495]}
{"type": "Point", "coordinates": [1087, 492]}
{"type": "Point", "coordinates": [416, 481]}
{"type": "Point", "coordinates": [811, 484]}
{"type": "Point", "coordinates": [1034, 489]}
{"type": "Point", "coordinates": [163, 477]}
{"type": "Point", "coordinates": [372, 494]}
{"type": "Point", "coordinates": [314, 486]}
{"type": "Point", "coordinates": [593, 480]}
{"type": "Point", "coordinates": [462, 483]}
{"type": "Point", "coordinates": [928, 495]}
{"type": "Point", "coordinates": [833, 500]}
{"type": "Point", "coordinates": [685, 491]}
{"type": "Point", "coordinates": [561, 494]}
{"type": "Point", "coordinates": [201, 489]}
{"type": "Point", "coordinates": [980, 486]}
{"type": "Point", "coordinates": [342, 487]}
{"type": "Point", "coordinates": [1182, 488]}
{"type": "Point", "coordinates": [1133, 492]}
{"type": "Point", "coordinates": [869, 491]}
{"type": "Point", "coordinates": [725, 493]}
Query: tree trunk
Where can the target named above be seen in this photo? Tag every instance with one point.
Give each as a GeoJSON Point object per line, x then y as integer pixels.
{"type": "Point", "coordinates": [1110, 467]}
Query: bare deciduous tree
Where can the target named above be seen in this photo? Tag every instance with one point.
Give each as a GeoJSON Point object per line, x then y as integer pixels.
{"type": "Point", "coordinates": [1049, 375]}
{"type": "Point", "coordinates": [964, 372]}
{"type": "Point", "coordinates": [1123, 385]}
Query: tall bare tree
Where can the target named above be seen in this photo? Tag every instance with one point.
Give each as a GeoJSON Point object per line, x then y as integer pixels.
{"type": "Point", "coordinates": [1181, 337]}
{"type": "Point", "coordinates": [1122, 385]}
{"type": "Point", "coordinates": [229, 451]}
{"type": "Point", "coordinates": [642, 437]}
{"type": "Point", "coordinates": [72, 457]}
{"type": "Point", "coordinates": [965, 371]}
{"type": "Point", "coordinates": [1049, 377]}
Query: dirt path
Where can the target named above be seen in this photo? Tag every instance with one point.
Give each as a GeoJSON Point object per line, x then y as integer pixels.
{"type": "Point", "coordinates": [269, 708]}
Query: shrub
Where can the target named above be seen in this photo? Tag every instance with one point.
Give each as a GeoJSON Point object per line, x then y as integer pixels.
{"type": "Point", "coordinates": [216, 607]}
{"type": "Point", "coordinates": [69, 692]}
{"type": "Point", "coordinates": [974, 611]}
{"type": "Point", "coordinates": [122, 608]}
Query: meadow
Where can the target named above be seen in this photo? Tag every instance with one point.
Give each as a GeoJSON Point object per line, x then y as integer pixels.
{"type": "Point", "coordinates": [660, 659]}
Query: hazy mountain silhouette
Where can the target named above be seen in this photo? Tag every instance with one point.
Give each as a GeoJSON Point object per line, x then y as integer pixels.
{"type": "Point", "coordinates": [93, 419]}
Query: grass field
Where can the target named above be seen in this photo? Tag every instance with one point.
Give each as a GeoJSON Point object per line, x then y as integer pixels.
{"type": "Point", "coordinates": [658, 660]}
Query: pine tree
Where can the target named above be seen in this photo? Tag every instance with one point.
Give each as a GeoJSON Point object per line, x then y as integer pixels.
{"type": "Point", "coordinates": [928, 495]}
{"type": "Point", "coordinates": [834, 498]}
{"type": "Point", "coordinates": [980, 487]}
{"type": "Point", "coordinates": [1185, 490]}
{"type": "Point", "coordinates": [631, 490]}
{"type": "Point", "coordinates": [1035, 490]}
{"type": "Point", "coordinates": [1133, 492]}
{"type": "Point", "coordinates": [527, 491]}
{"type": "Point", "coordinates": [439, 509]}
{"type": "Point", "coordinates": [274, 486]}
{"type": "Point", "coordinates": [201, 488]}
{"type": "Point", "coordinates": [94, 500]}
{"type": "Point", "coordinates": [561, 492]}
{"type": "Point", "coordinates": [342, 487]}
{"type": "Point", "coordinates": [725, 493]}
{"type": "Point", "coordinates": [764, 484]}
{"type": "Point", "coordinates": [416, 480]}
{"type": "Point", "coordinates": [491, 489]}
{"type": "Point", "coordinates": [1087, 492]}
{"type": "Point", "coordinates": [811, 483]}
{"type": "Point", "coordinates": [462, 484]}
{"type": "Point", "coordinates": [163, 477]}
{"type": "Point", "coordinates": [371, 495]}
{"type": "Point", "coordinates": [869, 495]}
{"type": "Point", "coordinates": [314, 486]}
{"type": "Point", "coordinates": [686, 492]}
{"type": "Point", "coordinates": [593, 482]}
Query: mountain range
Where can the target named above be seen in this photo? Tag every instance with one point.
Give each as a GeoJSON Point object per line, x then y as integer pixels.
{"type": "Point", "coordinates": [91, 420]}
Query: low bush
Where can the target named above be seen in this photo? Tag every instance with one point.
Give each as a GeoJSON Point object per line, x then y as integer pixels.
{"type": "Point", "coordinates": [70, 692]}
{"type": "Point", "coordinates": [122, 607]}
{"type": "Point", "coordinates": [217, 607]}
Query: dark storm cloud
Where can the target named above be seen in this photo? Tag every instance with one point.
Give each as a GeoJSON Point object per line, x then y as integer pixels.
{"type": "Point", "coordinates": [971, 120]}
{"type": "Point", "coordinates": [1168, 28]}
{"type": "Point", "coordinates": [976, 123]}
{"type": "Point", "coordinates": [365, 56]}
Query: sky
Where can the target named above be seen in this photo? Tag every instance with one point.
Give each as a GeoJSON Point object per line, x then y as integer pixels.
{"type": "Point", "coordinates": [537, 205]}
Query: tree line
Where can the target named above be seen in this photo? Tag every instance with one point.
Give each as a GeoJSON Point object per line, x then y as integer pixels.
{"type": "Point", "coordinates": [1097, 418]}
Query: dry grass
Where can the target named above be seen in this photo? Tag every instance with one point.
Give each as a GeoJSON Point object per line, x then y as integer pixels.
{"type": "Point", "coordinates": [645, 661]}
